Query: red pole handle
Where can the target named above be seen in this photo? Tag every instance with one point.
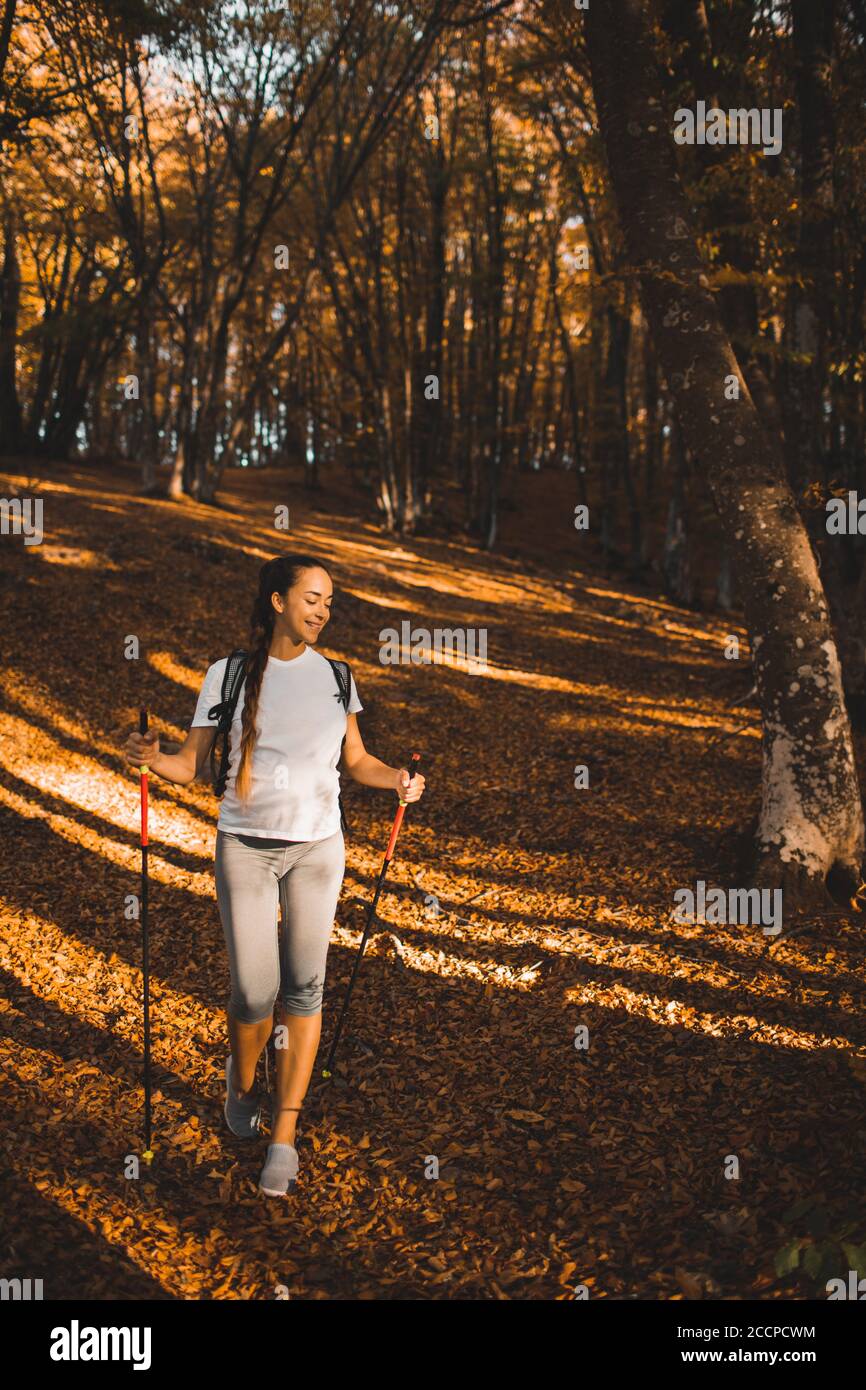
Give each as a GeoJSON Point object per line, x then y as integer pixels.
{"type": "Point", "coordinates": [414, 764]}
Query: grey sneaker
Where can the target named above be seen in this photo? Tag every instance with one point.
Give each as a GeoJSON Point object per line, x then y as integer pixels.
{"type": "Point", "coordinates": [242, 1116]}
{"type": "Point", "coordinates": [280, 1172]}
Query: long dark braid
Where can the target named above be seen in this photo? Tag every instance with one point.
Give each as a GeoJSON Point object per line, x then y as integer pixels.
{"type": "Point", "coordinates": [275, 577]}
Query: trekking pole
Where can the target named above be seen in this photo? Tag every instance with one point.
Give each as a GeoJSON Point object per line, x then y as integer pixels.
{"type": "Point", "coordinates": [145, 941]}
{"type": "Point", "coordinates": [413, 767]}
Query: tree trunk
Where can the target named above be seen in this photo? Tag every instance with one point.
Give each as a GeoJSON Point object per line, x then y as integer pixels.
{"type": "Point", "coordinates": [652, 437]}
{"type": "Point", "coordinates": [811, 819]}
{"type": "Point", "coordinates": [676, 568]}
{"type": "Point", "coordinates": [571, 373]}
{"type": "Point", "coordinates": [807, 319]}
{"type": "Point", "coordinates": [389, 491]}
{"type": "Point", "coordinates": [148, 431]}
{"type": "Point", "coordinates": [729, 216]}
{"type": "Point", "coordinates": [10, 298]}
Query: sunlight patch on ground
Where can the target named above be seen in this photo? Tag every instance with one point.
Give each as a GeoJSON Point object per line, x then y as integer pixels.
{"type": "Point", "coordinates": [366, 596]}
{"type": "Point", "coordinates": [674, 632]}
{"type": "Point", "coordinates": [168, 666]}
{"type": "Point", "coordinates": [136, 1235]}
{"type": "Point", "coordinates": [675, 1014]}
{"type": "Point", "coordinates": [69, 555]}
{"type": "Point", "coordinates": [638, 602]}
{"type": "Point", "coordinates": [47, 961]}
{"type": "Point", "coordinates": [679, 715]}
{"type": "Point", "coordinates": [440, 577]}
{"type": "Point", "coordinates": [428, 960]}
{"type": "Point", "coordinates": [34, 699]}
{"type": "Point", "coordinates": [36, 758]}
{"type": "Point", "coordinates": [124, 856]}
{"type": "Point", "coordinates": [483, 589]}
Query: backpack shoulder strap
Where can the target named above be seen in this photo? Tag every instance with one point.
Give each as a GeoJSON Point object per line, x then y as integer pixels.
{"type": "Point", "coordinates": [233, 678]}
{"type": "Point", "coordinates": [224, 713]}
{"type": "Point", "coordinates": [342, 675]}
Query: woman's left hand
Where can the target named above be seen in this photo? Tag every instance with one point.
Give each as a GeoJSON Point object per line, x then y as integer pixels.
{"type": "Point", "coordinates": [406, 790]}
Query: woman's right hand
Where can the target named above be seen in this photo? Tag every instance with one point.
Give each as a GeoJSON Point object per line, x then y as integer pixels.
{"type": "Point", "coordinates": [141, 749]}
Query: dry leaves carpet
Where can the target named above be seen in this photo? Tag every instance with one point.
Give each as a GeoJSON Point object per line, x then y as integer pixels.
{"type": "Point", "coordinates": [520, 910]}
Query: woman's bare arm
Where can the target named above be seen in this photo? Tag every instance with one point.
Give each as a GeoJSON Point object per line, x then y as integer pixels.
{"type": "Point", "coordinates": [362, 767]}
{"type": "Point", "coordinates": [181, 767]}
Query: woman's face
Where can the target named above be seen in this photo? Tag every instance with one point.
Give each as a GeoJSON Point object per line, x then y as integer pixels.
{"type": "Point", "coordinates": [306, 607]}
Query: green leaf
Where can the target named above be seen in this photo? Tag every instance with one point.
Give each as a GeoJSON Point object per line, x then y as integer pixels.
{"type": "Point", "coordinates": [856, 1257]}
{"type": "Point", "coordinates": [823, 1261]}
{"type": "Point", "coordinates": [788, 1258]}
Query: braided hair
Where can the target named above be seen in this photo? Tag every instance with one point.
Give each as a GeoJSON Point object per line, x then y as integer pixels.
{"type": "Point", "coordinates": [275, 577]}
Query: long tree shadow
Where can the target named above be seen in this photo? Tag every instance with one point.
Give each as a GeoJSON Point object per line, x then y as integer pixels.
{"type": "Point", "coordinates": [44, 1242]}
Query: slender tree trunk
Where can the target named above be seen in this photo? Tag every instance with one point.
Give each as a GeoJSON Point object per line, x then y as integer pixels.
{"type": "Point", "coordinates": [811, 819]}
{"type": "Point", "coordinates": [652, 437]}
{"type": "Point", "coordinates": [10, 298]}
{"type": "Point", "coordinates": [809, 309]}
{"type": "Point", "coordinates": [148, 432]}
{"type": "Point", "coordinates": [389, 490]}
{"type": "Point", "coordinates": [314, 441]}
{"type": "Point", "coordinates": [676, 568]}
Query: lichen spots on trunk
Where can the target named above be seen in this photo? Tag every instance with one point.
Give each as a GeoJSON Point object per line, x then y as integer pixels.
{"type": "Point", "coordinates": [811, 816]}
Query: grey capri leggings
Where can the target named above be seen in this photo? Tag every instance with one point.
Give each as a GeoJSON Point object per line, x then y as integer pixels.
{"type": "Point", "coordinates": [253, 878]}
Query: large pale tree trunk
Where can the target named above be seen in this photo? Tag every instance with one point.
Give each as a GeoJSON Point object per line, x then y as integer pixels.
{"type": "Point", "coordinates": [811, 819]}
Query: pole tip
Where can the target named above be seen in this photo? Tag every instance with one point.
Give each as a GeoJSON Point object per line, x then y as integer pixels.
{"type": "Point", "coordinates": [148, 1155]}
{"type": "Point", "coordinates": [325, 1072]}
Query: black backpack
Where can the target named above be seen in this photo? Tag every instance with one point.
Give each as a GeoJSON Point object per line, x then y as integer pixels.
{"type": "Point", "coordinates": [224, 713]}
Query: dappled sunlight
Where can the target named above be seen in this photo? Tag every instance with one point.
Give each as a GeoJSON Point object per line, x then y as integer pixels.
{"type": "Point", "coordinates": [447, 964]}
{"type": "Point", "coordinates": [663, 714]}
{"type": "Point", "coordinates": [368, 596]}
{"type": "Point", "coordinates": [33, 757]}
{"type": "Point", "coordinates": [90, 985]}
{"type": "Point", "coordinates": [125, 856]}
{"type": "Point", "coordinates": [717, 639]}
{"type": "Point", "coordinates": [486, 589]}
{"type": "Point", "coordinates": [33, 698]}
{"type": "Point", "coordinates": [675, 632]}
{"type": "Point", "coordinates": [107, 507]}
{"type": "Point", "coordinates": [635, 600]}
{"type": "Point", "coordinates": [93, 1208]}
{"type": "Point", "coordinates": [483, 586]}
{"type": "Point", "coordinates": [169, 666]}
{"type": "Point", "coordinates": [412, 294]}
{"type": "Point", "coordinates": [677, 653]}
{"type": "Point", "coordinates": [79, 559]}
{"type": "Point", "coordinates": [518, 906]}
{"type": "Point", "coordinates": [675, 1015]}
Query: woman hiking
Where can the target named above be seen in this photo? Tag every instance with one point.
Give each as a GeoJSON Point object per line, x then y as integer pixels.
{"type": "Point", "coordinates": [279, 838]}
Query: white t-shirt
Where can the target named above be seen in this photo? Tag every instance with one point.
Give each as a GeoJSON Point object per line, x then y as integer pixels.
{"type": "Point", "coordinates": [301, 724]}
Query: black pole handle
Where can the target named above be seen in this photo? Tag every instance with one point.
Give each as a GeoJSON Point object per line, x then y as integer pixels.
{"type": "Point", "coordinates": [413, 765]}
{"type": "Point", "coordinates": [142, 720]}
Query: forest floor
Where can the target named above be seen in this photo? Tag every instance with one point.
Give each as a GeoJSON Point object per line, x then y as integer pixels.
{"type": "Point", "coordinates": [519, 909]}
